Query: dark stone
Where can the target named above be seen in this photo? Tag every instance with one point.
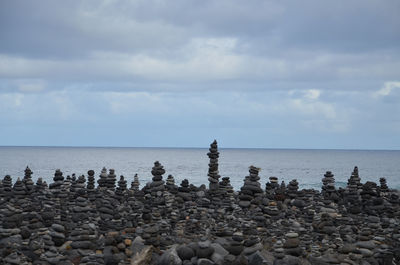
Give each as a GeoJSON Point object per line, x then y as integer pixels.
{"type": "Point", "coordinates": [185, 253]}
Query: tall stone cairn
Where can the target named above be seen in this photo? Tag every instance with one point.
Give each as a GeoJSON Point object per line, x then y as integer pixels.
{"type": "Point", "coordinates": [27, 180]}
{"type": "Point", "coordinates": [28, 174]}
{"type": "Point", "coordinates": [102, 181]}
{"type": "Point", "coordinates": [111, 179]}
{"type": "Point", "coordinates": [90, 184]}
{"type": "Point", "coordinates": [355, 179]}
{"type": "Point", "coordinates": [328, 185]}
{"type": "Point", "coordinates": [157, 183]}
{"type": "Point", "coordinates": [213, 174]}
{"type": "Point", "coordinates": [135, 183]}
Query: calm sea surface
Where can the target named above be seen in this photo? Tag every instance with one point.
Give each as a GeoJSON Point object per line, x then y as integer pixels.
{"type": "Point", "coordinates": [307, 166]}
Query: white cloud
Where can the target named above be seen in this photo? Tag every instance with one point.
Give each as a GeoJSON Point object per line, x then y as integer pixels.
{"type": "Point", "coordinates": [312, 94]}
{"type": "Point", "coordinates": [387, 89]}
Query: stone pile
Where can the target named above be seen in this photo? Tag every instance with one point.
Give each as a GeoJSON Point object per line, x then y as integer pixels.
{"type": "Point", "coordinates": [213, 173]}
{"type": "Point", "coordinates": [58, 180]}
{"type": "Point", "coordinates": [135, 183]}
{"type": "Point", "coordinates": [328, 186]}
{"type": "Point", "coordinates": [91, 183]}
{"type": "Point", "coordinates": [75, 223]}
{"type": "Point", "coordinates": [102, 182]}
{"type": "Point", "coordinates": [292, 189]}
{"type": "Point", "coordinates": [251, 190]}
{"type": "Point", "coordinates": [157, 184]}
{"type": "Point", "coordinates": [111, 179]}
{"type": "Point", "coordinates": [170, 185]}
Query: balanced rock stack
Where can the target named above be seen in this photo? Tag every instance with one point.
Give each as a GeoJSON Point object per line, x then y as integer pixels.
{"type": "Point", "coordinates": [80, 187]}
{"type": "Point", "coordinates": [58, 180]}
{"type": "Point", "coordinates": [271, 186]}
{"type": "Point", "coordinates": [384, 189]}
{"type": "Point", "coordinates": [19, 189]}
{"type": "Point", "coordinates": [157, 172]}
{"type": "Point", "coordinates": [292, 189]}
{"type": "Point", "coordinates": [135, 184]}
{"type": "Point", "coordinates": [328, 186]}
{"type": "Point", "coordinates": [121, 189]}
{"type": "Point", "coordinates": [102, 181]}
{"type": "Point", "coordinates": [170, 185]}
{"type": "Point", "coordinates": [235, 246]}
{"type": "Point", "coordinates": [29, 185]}
{"type": "Point", "coordinates": [355, 179]}
{"type": "Point", "coordinates": [184, 191]}
{"type": "Point", "coordinates": [213, 173]}
{"type": "Point", "coordinates": [111, 179]}
{"type": "Point", "coordinates": [7, 185]}
{"type": "Point", "coordinates": [90, 184]}
{"type": "Point", "coordinates": [227, 191]}
{"type": "Point", "coordinates": [251, 189]}
{"type": "Point", "coordinates": [40, 186]}
{"type": "Point", "coordinates": [292, 244]}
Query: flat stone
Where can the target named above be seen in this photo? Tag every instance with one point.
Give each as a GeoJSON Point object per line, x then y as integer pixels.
{"type": "Point", "coordinates": [292, 235]}
{"type": "Point", "coordinates": [366, 244]}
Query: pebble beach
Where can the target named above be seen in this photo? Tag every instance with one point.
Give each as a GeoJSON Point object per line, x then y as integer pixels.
{"type": "Point", "coordinates": [102, 219]}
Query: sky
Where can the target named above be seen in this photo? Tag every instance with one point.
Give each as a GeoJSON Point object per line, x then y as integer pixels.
{"type": "Point", "coordinates": [156, 73]}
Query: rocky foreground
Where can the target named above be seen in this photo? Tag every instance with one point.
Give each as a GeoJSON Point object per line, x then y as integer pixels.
{"type": "Point", "coordinates": [72, 221]}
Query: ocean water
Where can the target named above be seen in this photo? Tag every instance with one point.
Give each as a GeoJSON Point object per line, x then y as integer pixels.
{"type": "Point", "coordinates": [307, 166]}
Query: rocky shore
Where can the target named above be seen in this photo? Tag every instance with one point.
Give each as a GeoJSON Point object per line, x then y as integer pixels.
{"type": "Point", "coordinates": [75, 221]}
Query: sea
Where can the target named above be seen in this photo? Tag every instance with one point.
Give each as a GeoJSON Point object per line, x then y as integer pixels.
{"type": "Point", "coordinates": [307, 166]}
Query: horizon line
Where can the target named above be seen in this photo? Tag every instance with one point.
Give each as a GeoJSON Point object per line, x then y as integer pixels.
{"type": "Point", "coordinates": [193, 147]}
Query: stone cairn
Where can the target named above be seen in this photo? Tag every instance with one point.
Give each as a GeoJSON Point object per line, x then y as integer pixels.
{"type": "Point", "coordinates": [111, 179]}
{"type": "Point", "coordinates": [328, 186]}
{"type": "Point", "coordinates": [292, 189]}
{"type": "Point", "coordinates": [90, 184]}
{"type": "Point", "coordinates": [29, 185]}
{"type": "Point", "coordinates": [251, 190]}
{"type": "Point", "coordinates": [227, 192]}
{"type": "Point", "coordinates": [75, 223]}
{"type": "Point", "coordinates": [121, 189]}
{"type": "Point", "coordinates": [170, 185]}
{"type": "Point", "coordinates": [135, 184]}
{"type": "Point", "coordinates": [58, 180]}
{"type": "Point", "coordinates": [352, 192]}
{"type": "Point", "coordinates": [355, 179]}
{"type": "Point", "coordinates": [102, 182]}
{"type": "Point", "coordinates": [384, 189]}
{"type": "Point", "coordinates": [271, 187]}
{"type": "Point", "coordinates": [213, 173]}
{"type": "Point", "coordinates": [158, 183]}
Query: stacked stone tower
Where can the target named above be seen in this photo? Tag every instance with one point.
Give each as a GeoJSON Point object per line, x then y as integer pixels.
{"type": "Point", "coordinates": [213, 174]}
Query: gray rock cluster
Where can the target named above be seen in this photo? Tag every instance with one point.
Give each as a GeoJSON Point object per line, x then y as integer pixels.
{"type": "Point", "coordinates": [71, 222]}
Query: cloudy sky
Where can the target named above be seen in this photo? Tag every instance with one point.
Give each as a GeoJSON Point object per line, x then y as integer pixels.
{"type": "Point", "coordinates": [272, 74]}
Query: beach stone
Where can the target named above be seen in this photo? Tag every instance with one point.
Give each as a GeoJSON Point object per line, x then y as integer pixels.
{"type": "Point", "coordinates": [203, 261]}
{"type": "Point", "coordinates": [257, 259]}
{"type": "Point", "coordinates": [213, 173]}
{"type": "Point", "coordinates": [252, 249]}
{"type": "Point", "coordinates": [170, 257]}
{"type": "Point", "coordinates": [185, 253]}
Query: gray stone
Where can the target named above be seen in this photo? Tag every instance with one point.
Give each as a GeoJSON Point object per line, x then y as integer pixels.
{"type": "Point", "coordinates": [185, 253]}
{"type": "Point", "coordinates": [257, 259]}
{"type": "Point", "coordinates": [366, 244]}
{"type": "Point", "coordinates": [219, 253]}
{"type": "Point", "coordinates": [204, 262]}
{"type": "Point", "coordinates": [137, 245]}
{"type": "Point", "coordinates": [252, 249]}
{"type": "Point", "coordinates": [170, 257]}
